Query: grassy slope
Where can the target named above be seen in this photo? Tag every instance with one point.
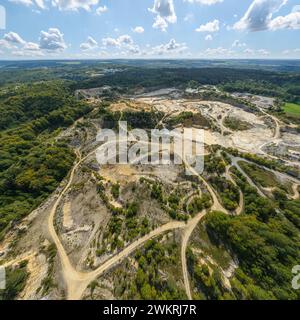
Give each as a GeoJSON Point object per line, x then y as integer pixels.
{"type": "Point", "coordinates": [292, 108]}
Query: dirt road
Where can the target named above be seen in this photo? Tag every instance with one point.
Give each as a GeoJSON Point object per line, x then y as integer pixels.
{"type": "Point", "coordinates": [228, 176]}
{"type": "Point", "coordinates": [188, 230]}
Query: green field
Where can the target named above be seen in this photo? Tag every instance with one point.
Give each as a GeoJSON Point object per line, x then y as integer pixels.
{"type": "Point", "coordinates": [292, 108]}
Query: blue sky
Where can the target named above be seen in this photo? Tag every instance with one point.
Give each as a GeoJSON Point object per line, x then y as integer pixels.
{"type": "Point", "coordinates": [149, 29]}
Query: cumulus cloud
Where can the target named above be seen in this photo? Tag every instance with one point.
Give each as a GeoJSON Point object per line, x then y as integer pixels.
{"type": "Point", "coordinates": [259, 15]}
{"type": "Point", "coordinates": [71, 5]}
{"type": "Point", "coordinates": [165, 11]}
{"type": "Point", "coordinates": [238, 44]}
{"type": "Point", "coordinates": [110, 42]}
{"type": "Point", "coordinates": [160, 24]}
{"type": "Point", "coordinates": [101, 10]}
{"type": "Point", "coordinates": [74, 5]}
{"type": "Point", "coordinates": [24, 2]}
{"type": "Point", "coordinates": [17, 46]}
{"type": "Point", "coordinates": [90, 44]}
{"type": "Point", "coordinates": [138, 30]}
{"type": "Point", "coordinates": [31, 46]}
{"type": "Point", "coordinates": [257, 53]}
{"type": "Point", "coordinates": [217, 52]}
{"type": "Point", "coordinates": [6, 45]}
{"type": "Point", "coordinates": [123, 40]}
{"type": "Point", "coordinates": [263, 52]}
{"type": "Point", "coordinates": [291, 52]}
{"type": "Point", "coordinates": [212, 26]}
{"type": "Point", "coordinates": [123, 45]}
{"type": "Point", "coordinates": [170, 48]}
{"type": "Point", "coordinates": [14, 38]}
{"type": "Point", "coordinates": [290, 21]}
{"type": "Point", "coordinates": [38, 3]}
{"type": "Point", "coordinates": [52, 40]}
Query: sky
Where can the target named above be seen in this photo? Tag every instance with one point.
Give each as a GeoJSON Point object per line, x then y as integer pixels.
{"type": "Point", "coordinates": [107, 29]}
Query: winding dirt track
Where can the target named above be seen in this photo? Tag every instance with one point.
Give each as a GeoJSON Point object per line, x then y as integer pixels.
{"type": "Point", "coordinates": [76, 281]}
{"type": "Point", "coordinates": [184, 242]}
{"type": "Point", "coordinates": [192, 224]}
{"type": "Point", "coordinates": [240, 208]}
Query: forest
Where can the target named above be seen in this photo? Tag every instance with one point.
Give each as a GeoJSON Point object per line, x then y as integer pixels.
{"type": "Point", "coordinates": [32, 161]}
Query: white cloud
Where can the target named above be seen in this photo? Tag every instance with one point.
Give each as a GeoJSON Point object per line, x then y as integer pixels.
{"type": "Point", "coordinates": [212, 26]}
{"type": "Point", "coordinates": [110, 42]}
{"type": "Point", "coordinates": [31, 46]}
{"type": "Point", "coordinates": [249, 51]}
{"type": "Point", "coordinates": [165, 11]}
{"type": "Point", "coordinates": [290, 21]}
{"type": "Point", "coordinates": [52, 40]}
{"type": "Point", "coordinates": [259, 15]}
{"type": "Point", "coordinates": [13, 37]}
{"type": "Point", "coordinates": [160, 23]}
{"type": "Point", "coordinates": [74, 5]}
{"type": "Point", "coordinates": [292, 52]}
{"type": "Point", "coordinates": [24, 2]}
{"type": "Point", "coordinates": [170, 48]}
{"type": "Point", "coordinates": [238, 44]}
{"type": "Point", "coordinates": [6, 45]}
{"type": "Point", "coordinates": [138, 29]}
{"type": "Point", "coordinates": [90, 44]}
{"type": "Point", "coordinates": [263, 52]}
{"type": "Point", "coordinates": [257, 53]}
{"type": "Point", "coordinates": [16, 46]}
{"type": "Point", "coordinates": [39, 3]}
{"type": "Point", "coordinates": [204, 2]}
{"type": "Point", "coordinates": [217, 52]}
{"type": "Point", "coordinates": [101, 10]}
{"type": "Point", "coordinates": [124, 40]}
{"type": "Point", "coordinates": [123, 45]}
{"type": "Point", "coordinates": [208, 37]}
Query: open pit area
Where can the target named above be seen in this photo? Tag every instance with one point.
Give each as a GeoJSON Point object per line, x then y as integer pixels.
{"type": "Point", "coordinates": [109, 230]}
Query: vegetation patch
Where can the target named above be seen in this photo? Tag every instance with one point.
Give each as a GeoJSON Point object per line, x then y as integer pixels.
{"type": "Point", "coordinates": [262, 177]}
{"type": "Point", "coordinates": [16, 278]}
{"type": "Point", "coordinates": [188, 120]}
{"type": "Point", "coordinates": [236, 124]}
{"type": "Point", "coordinates": [292, 109]}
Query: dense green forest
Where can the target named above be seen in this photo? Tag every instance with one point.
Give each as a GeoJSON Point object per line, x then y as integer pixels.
{"type": "Point", "coordinates": [281, 82]}
{"type": "Point", "coordinates": [266, 242]}
{"type": "Point", "coordinates": [281, 85]}
{"type": "Point", "coordinates": [32, 162]}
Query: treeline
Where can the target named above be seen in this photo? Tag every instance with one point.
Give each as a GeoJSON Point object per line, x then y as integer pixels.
{"type": "Point", "coordinates": [278, 84]}
{"type": "Point", "coordinates": [32, 162]}
{"type": "Point", "coordinates": [288, 90]}
{"type": "Point", "coordinates": [20, 104]}
{"type": "Point", "coordinates": [284, 85]}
